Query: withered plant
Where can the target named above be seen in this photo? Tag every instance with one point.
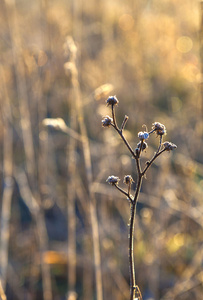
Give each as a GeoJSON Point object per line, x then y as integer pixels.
{"type": "Point", "coordinates": [160, 130]}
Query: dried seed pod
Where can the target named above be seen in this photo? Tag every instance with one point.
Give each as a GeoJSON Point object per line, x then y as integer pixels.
{"type": "Point", "coordinates": [112, 100]}
{"type": "Point", "coordinates": [128, 179]}
{"type": "Point", "coordinates": [113, 180]}
{"type": "Point", "coordinates": [144, 145]}
{"type": "Point", "coordinates": [159, 128]}
{"type": "Point", "coordinates": [169, 146]}
{"type": "Point", "coordinates": [143, 135]}
{"type": "Point", "coordinates": [107, 121]}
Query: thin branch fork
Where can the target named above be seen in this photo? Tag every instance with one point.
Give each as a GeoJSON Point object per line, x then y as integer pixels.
{"type": "Point", "coordinates": [133, 200]}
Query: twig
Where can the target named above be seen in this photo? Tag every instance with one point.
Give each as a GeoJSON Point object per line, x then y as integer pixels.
{"type": "Point", "coordinates": [113, 180]}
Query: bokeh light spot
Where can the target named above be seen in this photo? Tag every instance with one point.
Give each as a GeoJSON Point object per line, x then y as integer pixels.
{"type": "Point", "coordinates": [126, 22]}
{"type": "Point", "coordinates": [184, 44]}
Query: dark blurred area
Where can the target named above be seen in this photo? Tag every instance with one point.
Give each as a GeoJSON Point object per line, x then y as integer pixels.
{"type": "Point", "coordinates": [61, 223]}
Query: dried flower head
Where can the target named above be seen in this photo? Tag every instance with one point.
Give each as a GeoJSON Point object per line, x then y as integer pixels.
{"type": "Point", "coordinates": [159, 128]}
{"type": "Point", "coordinates": [113, 180]}
{"type": "Point", "coordinates": [143, 135]}
{"type": "Point", "coordinates": [128, 179]}
{"type": "Point", "coordinates": [169, 146]}
{"type": "Point", "coordinates": [106, 122]}
{"type": "Point", "coordinates": [112, 100]}
{"type": "Point", "coordinates": [144, 145]}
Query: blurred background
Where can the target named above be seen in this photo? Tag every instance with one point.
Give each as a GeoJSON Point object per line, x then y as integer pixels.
{"type": "Point", "coordinates": [64, 230]}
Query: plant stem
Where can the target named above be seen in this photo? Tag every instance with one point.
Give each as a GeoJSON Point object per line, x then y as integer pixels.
{"type": "Point", "coordinates": [131, 235]}
{"type": "Point", "coordinates": [131, 256]}
{"type": "Point", "coordinates": [134, 289]}
{"type": "Point", "coordinates": [152, 160]}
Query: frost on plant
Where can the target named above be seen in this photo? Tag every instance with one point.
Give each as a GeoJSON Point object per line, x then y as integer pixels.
{"type": "Point", "coordinates": [142, 145]}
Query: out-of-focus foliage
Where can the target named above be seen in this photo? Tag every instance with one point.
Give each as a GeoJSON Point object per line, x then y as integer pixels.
{"type": "Point", "coordinates": [148, 54]}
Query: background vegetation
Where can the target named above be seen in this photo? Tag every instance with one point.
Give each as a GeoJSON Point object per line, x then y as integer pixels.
{"type": "Point", "coordinates": [56, 208]}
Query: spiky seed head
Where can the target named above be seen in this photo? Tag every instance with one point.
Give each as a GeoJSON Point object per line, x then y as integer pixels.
{"type": "Point", "coordinates": [144, 145]}
{"type": "Point", "coordinates": [113, 180]}
{"type": "Point", "coordinates": [143, 135]}
{"type": "Point", "coordinates": [112, 100]}
{"type": "Point", "coordinates": [159, 128]}
{"type": "Point", "coordinates": [128, 179]}
{"type": "Point", "coordinates": [107, 121]}
{"type": "Point", "coordinates": [169, 146]}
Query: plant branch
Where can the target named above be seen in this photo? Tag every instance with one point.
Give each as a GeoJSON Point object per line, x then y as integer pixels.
{"type": "Point", "coordinates": [149, 163]}
{"type": "Point", "coordinates": [167, 146]}
{"type": "Point", "coordinates": [125, 193]}
{"type": "Point", "coordinates": [114, 117]}
{"type": "Point", "coordinates": [124, 122]}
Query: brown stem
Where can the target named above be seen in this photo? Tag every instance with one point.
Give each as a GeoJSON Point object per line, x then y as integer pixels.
{"type": "Point", "coordinates": [131, 235]}
{"type": "Point", "coordinates": [126, 194]}
{"type": "Point", "coordinates": [131, 256]}
{"type": "Point", "coordinates": [151, 161]}
{"type": "Point", "coordinates": [133, 287]}
{"type": "Point", "coordinates": [124, 122]}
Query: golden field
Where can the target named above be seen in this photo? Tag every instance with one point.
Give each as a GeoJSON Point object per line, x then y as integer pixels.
{"type": "Point", "coordinates": [64, 230]}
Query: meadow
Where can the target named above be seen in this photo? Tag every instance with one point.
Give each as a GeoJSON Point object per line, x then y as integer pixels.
{"type": "Point", "coordinates": [64, 229]}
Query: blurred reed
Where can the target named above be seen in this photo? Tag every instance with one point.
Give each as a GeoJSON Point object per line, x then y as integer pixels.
{"type": "Point", "coordinates": [71, 67]}
{"type": "Point", "coordinates": [25, 119]}
{"type": "Point", "coordinates": [8, 184]}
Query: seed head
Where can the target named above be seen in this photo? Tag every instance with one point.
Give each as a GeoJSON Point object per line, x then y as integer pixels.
{"type": "Point", "coordinates": [144, 145]}
{"type": "Point", "coordinates": [128, 179]}
{"type": "Point", "coordinates": [106, 122]}
{"type": "Point", "coordinates": [169, 146]}
{"type": "Point", "coordinates": [113, 180]}
{"type": "Point", "coordinates": [112, 100]}
{"type": "Point", "coordinates": [159, 128]}
{"type": "Point", "coordinates": [143, 135]}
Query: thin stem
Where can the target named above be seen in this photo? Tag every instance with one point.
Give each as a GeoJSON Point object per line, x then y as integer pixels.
{"type": "Point", "coordinates": [124, 122]}
{"type": "Point", "coordinates": [152, 160]}
{"type": "Point", "coordinates": [120, 132]}
{"type": "Point", "coordinates": [131, 256]}
{"type": "Point", "coordinates": [124, 139]}
{"type": "Point", "coordinates": [126, 143]}
{"type": "Point", "coordinates": [160, 141]}
{"type": "Point", "coordinates": [126, 194]}
{"type": "Point", "coordinates": [131, 235]}
{"type": "Point", "coordinates": [114, 117]}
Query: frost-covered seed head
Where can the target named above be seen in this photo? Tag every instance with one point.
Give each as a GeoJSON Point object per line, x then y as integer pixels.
{"type": "Point", "coordinates": [128, 179]}
{"type": "Point", "coordinates": [113, 180]}
{"type": "Point", "coordinates": [169, 146]}
{"type": "Point", "coordinates": [159, 128]}
{"type": "Point", "coordinates": [144, 145]}
{"type": "Point", "coordinates": [106, 122]}
{"type": "Point", "coordinates": [143, 135]}
{"type": "Point", "coordinates": [112, 100]}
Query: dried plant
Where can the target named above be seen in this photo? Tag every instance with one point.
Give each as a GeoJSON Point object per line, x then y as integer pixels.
{"type": "Point", "coordinates": [160, 131]}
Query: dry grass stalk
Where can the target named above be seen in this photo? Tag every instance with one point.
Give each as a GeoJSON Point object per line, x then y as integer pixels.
{"type": "Point", "coordinates": [88, 165]}
{"type": "Point", "coordinates": [8, 183]}
{"type": "Point", "coordinates": [71, 195]}
{"type": "Point", "coordinates": [28, 144]}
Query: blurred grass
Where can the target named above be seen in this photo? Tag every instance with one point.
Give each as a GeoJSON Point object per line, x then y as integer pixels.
{"type": "Point", "coordinates": [149, 54]}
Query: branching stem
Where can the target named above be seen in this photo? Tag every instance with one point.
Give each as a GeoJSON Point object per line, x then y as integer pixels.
{"type": "Point", "coordinates": [160, 130]}
{"type": "Point", "coordinates": [126, 194]}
